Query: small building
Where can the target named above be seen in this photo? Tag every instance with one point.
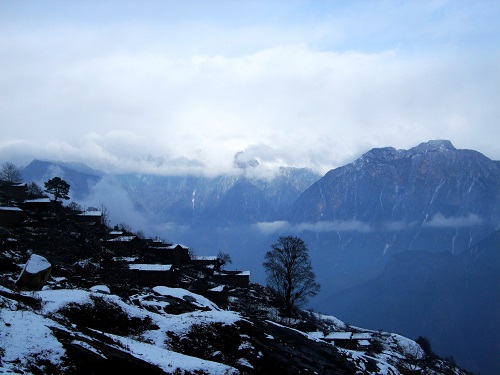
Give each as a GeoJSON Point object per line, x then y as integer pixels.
{"type": "Point", "coordinates": [234, 278]}
{"type": "Point", "coordinates": [212, 262]}
{"type": "Point", "coordinates": [167, 253]}
{"type": "Point", "coordinates": [12, 192]}
{"type": "Point", "coordinates": [123, 245]}
{"type": "Point", "coordinates": [153, 274]}
{"type": "Point", "coordinates": [11, 216]}
{"type": "Point", "coordinates": [218, 294]}
{"type": "Point", "coordinates": [90, 217]}
{"type": "Point", "coordinates": [349, 340]}
{"type": "Point", "coordinates": [39, 204]}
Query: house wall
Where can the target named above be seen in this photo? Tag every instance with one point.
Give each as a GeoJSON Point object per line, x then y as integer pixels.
{"type": "Point", "coordinates": [124, 248]}
{"type": "Point", "coordinates": [242, 280]}
{"type": "Point", "coordinates": [178, 255]}
{"type": "Point", "coordinates": [154, 278]}
{"type": "Point", "coordinates": [11, 218]}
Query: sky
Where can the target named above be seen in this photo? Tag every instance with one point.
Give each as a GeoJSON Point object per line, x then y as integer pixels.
{"type": "Point", "coordinates": [180, 87]}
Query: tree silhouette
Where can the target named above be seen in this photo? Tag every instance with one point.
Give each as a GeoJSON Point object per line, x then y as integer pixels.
{"type": "Point", "coordinates": [223, 259]}
{"type": "Point", "coordinates": [58, 188]}
{"type": "Point", "coordinates": [289, 272]}
{"type": "Point", "coordinates": [10, 173]}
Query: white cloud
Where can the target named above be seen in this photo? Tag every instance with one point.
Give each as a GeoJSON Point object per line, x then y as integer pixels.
{"type": "Point", "coordinates": [140, 94]}
{"type": "Point", "coordinates": [440, 221]}
{"type": "Point", "coordinates": [318, 227]}
{"type": "Point", "coordinates": [273, 227]}
{"type": "Point", "coordinates": [120, 208]}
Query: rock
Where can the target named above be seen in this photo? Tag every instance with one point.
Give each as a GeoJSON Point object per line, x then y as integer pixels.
{"type": "Point", "coordinates": [35, 273]}
{"type": "Point", "coordinates": [100, 289]}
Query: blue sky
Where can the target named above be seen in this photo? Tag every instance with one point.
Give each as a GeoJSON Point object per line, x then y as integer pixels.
{"type": "Point", "coordinates": [177, 87]}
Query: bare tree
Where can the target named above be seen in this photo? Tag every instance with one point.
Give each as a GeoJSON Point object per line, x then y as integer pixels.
{"type": "Point", "coordinates": [223, 259]}
{"type": "Point", "coordinates": [10, 173]}
{"type": "Point", "coordinates": [289, 272]}
{"type": "Point", "coordinates": [34, 191]}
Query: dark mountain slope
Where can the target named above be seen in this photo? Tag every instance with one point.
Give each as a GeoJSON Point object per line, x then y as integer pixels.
{"type": "Point", "coordinates": [80, 177]}
{"type": "Point", "coordinates": [452, 300]}
{"type": "Point", "coordinates": [221, 200]}
{"type": "Point", "coordinates": [432, 197]}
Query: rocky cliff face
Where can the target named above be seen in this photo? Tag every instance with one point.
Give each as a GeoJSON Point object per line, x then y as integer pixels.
{"type": "Point", "coordinates": [431, 197]}
{"type": "Point", "coordinates": [223, 200]}
{"type": "Point", "coordinates": [389, 185]}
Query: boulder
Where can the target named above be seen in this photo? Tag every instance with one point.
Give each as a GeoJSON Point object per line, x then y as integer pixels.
{"type": "Point", "coordinates": [35, 273]}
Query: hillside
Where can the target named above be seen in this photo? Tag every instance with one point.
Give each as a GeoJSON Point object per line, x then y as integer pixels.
{"type": "Point", "coordinates": [429, 199]}
{"type": "Point", "coordinates": [111, 301]}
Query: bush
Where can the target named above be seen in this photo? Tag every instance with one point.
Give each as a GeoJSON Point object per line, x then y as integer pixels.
{"type": "Point", "coordinates": [106, 316]}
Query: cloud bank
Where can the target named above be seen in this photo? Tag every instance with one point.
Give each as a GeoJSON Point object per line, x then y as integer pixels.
{"type": "Point", "coordinates": [440, 221]}
{"type": "Point", "coordinates": [437, 221]}
{"type": "Point", "coordinates": [180, 88]}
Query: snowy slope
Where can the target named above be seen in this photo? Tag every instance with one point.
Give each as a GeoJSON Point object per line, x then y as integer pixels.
{"type": "Point", "coordinates": [61, 330]}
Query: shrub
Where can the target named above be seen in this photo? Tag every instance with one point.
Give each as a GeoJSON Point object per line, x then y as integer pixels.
{"type": "Point", "coordinates": [106, 316]}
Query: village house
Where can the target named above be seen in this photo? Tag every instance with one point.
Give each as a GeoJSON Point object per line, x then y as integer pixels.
{"type": "Point", "coordinates": [233, 278]}
{"type": "Point", "coordinates": [124, 245]}
{"type": "Point", "coordinates": [39, 204]}
{"type": "Point", "coordinates": [153, 274]}
{"type": "Point", "coordinates": [176, 254]}
{"type": "Point", "coordinates": [211, 262]}
{"type": "Point", "coordinates": [89, 217]}
{"type": "Point", "coordinates": [12, 216]}
{"type": "Point", "coordinates": [350, 340]}
{"type": "Point", "coordinates": [11, 193]}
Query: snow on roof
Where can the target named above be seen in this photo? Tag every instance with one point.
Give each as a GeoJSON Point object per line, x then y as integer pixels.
{"type": "Point", "coordinates": [38, 200]}
{"type": "Point", "coordinates": [125, 259]}
{"type": "Point", "coordinates": [339, 336]}
{"type": "Point", "coordinates": [91, 213]}
{"type": "Point", "coordinates": [243, 273]}
{"type": "Point", "coordinates": [150, 267]}
{"type": "Point", "coordinates": [122, 239]}
{"type": "Point", "coordinates": [364, 343]}
{"type": "Point", "coordinates": [173, 246]}
{"type": "Point", "coordinates": [116, 232]}
{"type": "Point", "coordinates": [362, 336]}
{"type": "Point", "coordinates": [7, 208]}
{"type": "Point", "coordinates": [36, 263]}
{"type": "Point", "coordinates": [203, 257]}
{"type": "Point", "coordinates": [219, 288]}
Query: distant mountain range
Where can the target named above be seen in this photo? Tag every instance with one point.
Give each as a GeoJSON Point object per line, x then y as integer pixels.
{"type": "Point", "coordinates": [388, 218]}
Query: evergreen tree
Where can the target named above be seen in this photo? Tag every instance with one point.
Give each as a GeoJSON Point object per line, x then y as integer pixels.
{"type": "Point", "coordinates": [58, 188]}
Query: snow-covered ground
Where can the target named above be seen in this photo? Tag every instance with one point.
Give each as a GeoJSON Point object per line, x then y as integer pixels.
{"type": "Point", "coordinates": [26, 336]}
{"type": "Point", "coordinates": [28, 339]}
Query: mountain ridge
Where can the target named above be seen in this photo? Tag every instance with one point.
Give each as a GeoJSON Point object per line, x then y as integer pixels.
{"type": "Point", "coordinates": [432, 198]}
